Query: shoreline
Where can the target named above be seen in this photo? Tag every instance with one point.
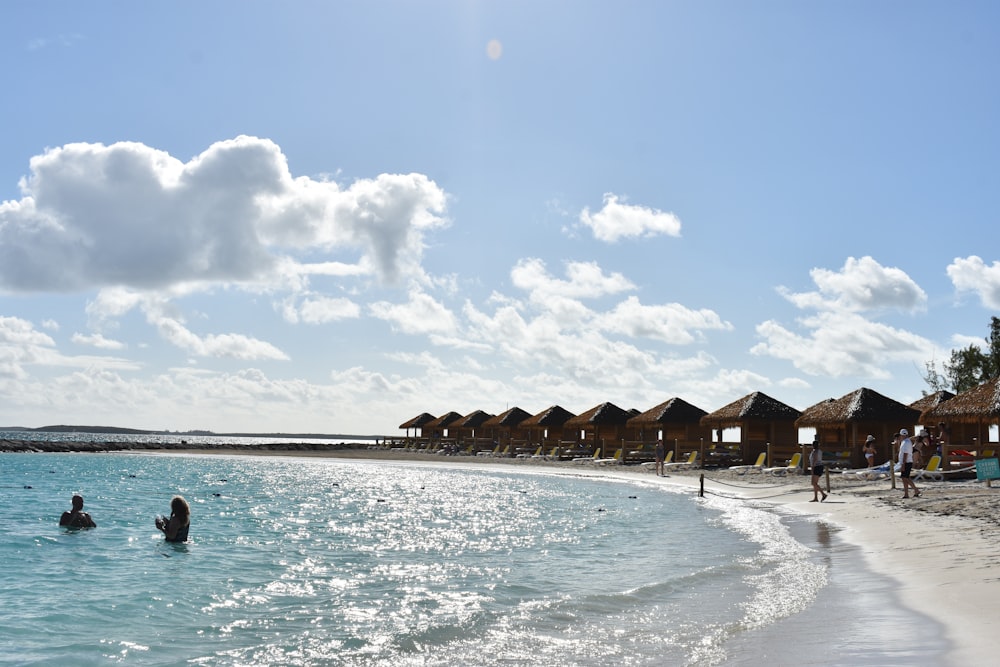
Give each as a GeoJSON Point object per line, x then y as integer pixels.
{"type": "Point", "coordinates": [939, 548]}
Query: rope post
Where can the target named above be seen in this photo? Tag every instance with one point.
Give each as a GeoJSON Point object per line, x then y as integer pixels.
{"type": "Point", "coordinates": [826, 473]}
{"type": "Point", "coordinates": [769, 459]}
{"type": "Point", "coordinates": [892, 466]}
{"type": "Point", "coordinates": [701, 485]}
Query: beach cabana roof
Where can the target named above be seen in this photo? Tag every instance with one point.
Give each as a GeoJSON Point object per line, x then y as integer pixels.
{"type": "Point", "coordinates": [444, 421]}
{"type": "Point", "coordinates": [474, 419]}
{"type": "Point", "coordinates": [509, 419]}
{"type": "Point", "coordinates": [757, 405]}
{"type": "Point", "coordinates": [602, 415]}
{"type": "Point", "coordinates": [861, 405]}
{"type": "Point", "coordinates": [930, 401]}
{"type": "Point", "coordinates": [979, 404]}
{"type": "Point", "coordinates": [672, 411]}
{"type": "Point", "coordinates": [417, 422]}
{"type": "Point", "coordinates": [552, 417]}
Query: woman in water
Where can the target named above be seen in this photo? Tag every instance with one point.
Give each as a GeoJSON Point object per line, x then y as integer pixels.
{"type": "Point", "coordinates": [176, 527]}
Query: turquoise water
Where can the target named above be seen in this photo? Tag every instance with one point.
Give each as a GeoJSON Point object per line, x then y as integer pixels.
{"type": "Point", "coordinates": [298, 561]}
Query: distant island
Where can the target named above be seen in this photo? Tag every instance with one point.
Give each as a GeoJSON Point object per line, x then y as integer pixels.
{"type": "Point", "coordinates": [64, 428]}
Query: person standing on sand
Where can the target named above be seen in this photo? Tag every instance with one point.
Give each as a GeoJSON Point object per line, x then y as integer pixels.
{"type": "Point", "coordinates": [816, 463]}
{"type": "Point", "coordinates": [660, 454]}
{"type": "Point", "coordinates": [906, 464]}
{"type": "Point", "coordinates": [870, 451]}
{"type": "Point", "coordinates": [76, 517]}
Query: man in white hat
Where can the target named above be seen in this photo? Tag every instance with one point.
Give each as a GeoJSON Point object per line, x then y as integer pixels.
{"type": "Point", "coordinates": [906, 464]}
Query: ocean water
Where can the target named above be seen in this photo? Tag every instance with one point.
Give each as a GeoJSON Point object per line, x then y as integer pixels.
{"type": "Point", "coordinates": [296, 561]}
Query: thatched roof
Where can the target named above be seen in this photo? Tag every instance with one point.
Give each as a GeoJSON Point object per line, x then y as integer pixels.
{"type": "Point", "coordinates": [758, 406]}
{"type": "Point", "coordinates": [474, 419]}
{"type": "Point", "coordinates": [605, 414]}
{"type": "Point", "coordinates": [444, 421]}
{"type": "Point", "coordinates": [508, 419]}
{"type": "Point", "coordinates": [861, 405]}
{"type": "Point", "coordinates": [417, 422]}
{"type": "Point", "coordinates": [980, 404]}
{"type": "Point", "coordinates": [930, 401]}
{"type": "Point", "coordinates": [672, 411]}
{"type": "Point", "coordinates": [554, 416]}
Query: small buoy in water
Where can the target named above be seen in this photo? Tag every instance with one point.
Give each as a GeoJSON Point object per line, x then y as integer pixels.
{"type": "Point", "coordinates": [131, 475]}
{"type": "Point", "coordinates": [633, 497]}
{"type": "Point", "coordinates": [27, 486]}
{"type": "Point", "coordinates": [380, 500]}
{"type": "Point", "coordinates": [223, 480]}
{"type": "Point", "coordinates": [601, 509]}
{"type": "Point", "coordinates": [217, 495]}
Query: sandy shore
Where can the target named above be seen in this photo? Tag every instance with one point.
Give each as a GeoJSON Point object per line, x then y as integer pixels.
{"type": "Point", "coordinates": [940, 548]}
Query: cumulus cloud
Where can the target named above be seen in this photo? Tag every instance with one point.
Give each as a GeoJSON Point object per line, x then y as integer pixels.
{"type": "Point", "coordinates": [420, 314]}
{"type": "Point", "coordinates": [98, 341]}
{"type": "Point", "coordinates": [22, 345]}
{"type": "Point", "coordinates": [616, 221]}
{"type": "Point", "coordinates": [861, 285]}
{"type": "Point", "coordinates": [320, 310]}
{"type": "Point", "coordinates": [129, 215]}
{"type": "Point", "coordinates": [671, 322]}
{"type": "Point", "coordinates": [973, 275]}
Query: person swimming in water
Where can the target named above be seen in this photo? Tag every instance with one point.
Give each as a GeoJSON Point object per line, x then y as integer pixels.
{"type": "Point", "coordinates": [76, 517]}
{"type": "Point", "coordinates": [175, 528]}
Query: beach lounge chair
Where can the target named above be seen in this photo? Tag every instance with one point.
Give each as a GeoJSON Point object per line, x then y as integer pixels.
{"type": "Point", "coordinates": [652, 464]}
{"type": "Point", "coordinates": [682, 465]}
{"type": "Point", "coordinates": [617, 458]}
{"type": "Point", "coordinates": [758, 466]}
{"type": "Point", "coordinates": [791, 466]}
{"type": "Point", "coordinates": [588, 459]}
{"type": "Point", "coordinates": [932, 472]}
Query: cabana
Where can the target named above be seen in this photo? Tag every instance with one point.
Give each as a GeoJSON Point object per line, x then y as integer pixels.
{"type": "Point", "coordinates": [505, 429]}
{"type": "Point", "coordinates": [762, 421]}
{"type": "Point", "coordinates": [968, 417]}
{"type": "Point", "coordinates": [466, 427]}
{"type": "Point", "coordinates": [843, 424]}
{"type": "Point", "coordinates": [417, 424]}
{"type": "Point", "coordinates": [675, 421]}
{"type": "Point", "coordinates": [548, 427]}
{"type": "Point", "coordinates": [603, 425]}
{"type": "Point", "coordinates": [442, 427]}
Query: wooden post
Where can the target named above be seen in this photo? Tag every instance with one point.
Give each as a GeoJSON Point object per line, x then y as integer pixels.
{"type": "Point", "coordinates": [701, 486]}
{"type": "Point", "coordinates": [701, 454]}
{"type": "Point", "coordinates": [892, 465]}
{"type": "Point", "coordinates": [826, 473]}
{"type": "Point", "coordinates": [769, 463]}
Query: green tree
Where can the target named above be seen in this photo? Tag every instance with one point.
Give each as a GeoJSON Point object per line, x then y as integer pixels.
{"type": "Point", "coordinates": [971, 366]}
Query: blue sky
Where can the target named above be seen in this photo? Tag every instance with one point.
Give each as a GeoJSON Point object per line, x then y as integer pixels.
{"type": "Point", "coordinates": [330, 217]}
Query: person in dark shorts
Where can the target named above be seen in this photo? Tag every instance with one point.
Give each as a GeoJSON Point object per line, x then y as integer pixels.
{"type": "Point", "coordinates": [906, 464]}
{"type": "Point", "coordinates": [816, 463]}
{"type": "Point", "coordinates": [660, 455]}
{"type": "Point", "coordinates": [76, 517]}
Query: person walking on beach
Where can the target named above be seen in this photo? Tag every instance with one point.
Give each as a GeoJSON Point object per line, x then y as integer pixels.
{"type": "Point", "coordinates": [816, 463]}
{"type": "Point", "coordinates": [76, 517]}
{"type": "Point", "coordinates": [870, 451]}
{"type": "Point", "coordinates": [906, 464]}
{"type": "Point", "coordinates": [176, 527]}
{"type": "Point", "coordinates": [660, 455]}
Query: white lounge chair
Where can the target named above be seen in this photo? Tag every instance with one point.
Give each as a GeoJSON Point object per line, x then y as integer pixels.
{"type": "Point", "coordinates": [791, 466]}
{"type": "Point", "coordinates": [758, 466]}
{"type": "Point", "coordinates": [682, 465]}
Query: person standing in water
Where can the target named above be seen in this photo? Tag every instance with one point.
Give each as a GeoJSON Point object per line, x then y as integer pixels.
{"type": "Point", "coordinates": [175, 528]}
{"type": "Point", "coordinates": [76, 517]}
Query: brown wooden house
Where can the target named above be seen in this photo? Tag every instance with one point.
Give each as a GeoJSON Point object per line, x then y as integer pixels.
{"type": "Point", "coordinates": [505, 429]}
{"type": "Point", "coordinates": [843, 424]}
{"type": "Point", "coordinates": [469, 427]}
{"type": "Point", "coordinates": [675, 421]}
{"type": "Point", "coordinates": [968, 417]}
{"type": "Point", "coordinates": [603, 427]}
{"type": "Point", "coordinates": [762, 421]}
{"type": "Point", "coordinates": [548, 427]}
{"type": "Point", "coordinates": [417, 424]}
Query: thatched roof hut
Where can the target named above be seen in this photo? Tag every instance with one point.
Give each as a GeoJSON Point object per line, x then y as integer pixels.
{"type": "Point", "coordinates": [929, 402]}
{"type": "Point", "coordinates": [466, 426]}
{"type": "Point", "coordinates": [843, 424]}
{"type": "Point", "coordinates": [673, 420]}
{"type": "Point", "coordinates": [605, 421]}
{"type": "Point", "coordinates": [969, 414]}
{"type": "Point", "coordinates": [762, 420]}
{"type": "Point", "coordinates": [419, 421]}
{"type": "Point", "coordinates": [437, 427]}
{"type": "Point", "coordinates": [506, 426]}
{"type": "Point", "coordinates": [548, 426]}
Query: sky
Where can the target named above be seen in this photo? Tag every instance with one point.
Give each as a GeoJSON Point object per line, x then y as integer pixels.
{"type": "Point", "coordinates": [329, 217]}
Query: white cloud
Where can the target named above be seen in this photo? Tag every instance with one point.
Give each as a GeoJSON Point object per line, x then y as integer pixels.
{"type": "Point", "coordinates": [22, 345]}
{"type": "Point", "coordinates": [421, 314]}
{"type": "Point", "coordinates": [843, 344]}
{"type": "Point", "coordinates": [671, 322]}
{"type": "Point", "coordinates": [98, 341]}
{"type": "Point", "coordinates": [320, 310]}
{"type": "Point", "coordinates": [132, 216]}
{"type": "Point", "coordinates": [973, 275]}
{"type": "Point", "coordinates": [861, 285]}
{"type": "Point", "coordinates": [616, 221]}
